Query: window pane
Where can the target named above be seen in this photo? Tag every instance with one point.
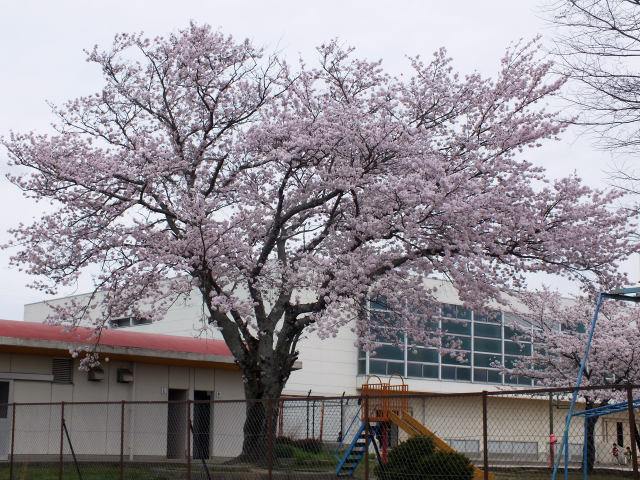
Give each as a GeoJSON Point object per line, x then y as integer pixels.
{"type": "Point", "coordinates": [512, 348]}
{"type": "Point", "coordinates": [377, 367]}
{"type": "Point", "coordinates": [466, 446]}
{"type": "Point", "coordinates": [463, 374]}
{"type": "Point", "coordinates": [457, 342]}
{"type": "Point", "coordinates": [448, 373]}
{"type": "Point", "coordinates": [453, 326]}
{"type": "Point", "coordinates": [389, 352]}
{"type": "Point", "coordinates": [455, 311]}
{"type": "Point", "coordinates": [362, 367]}
{"type": "Point", "coordinates": [429, 325]}
{"type": "Point", "coordinates": [521, 333]}
{"type": "Point", "coordinates": [379, 302]}
{"type": "Point", "coordinates": [414, 370]}
{"type": "Point", "coordinates": [387, 335]}
{"type": "Point", "coordinates": [487, 330]}
{"type": "Point", "coordinates": [511, 379]}
{"type": "Point", "coordinates": [141, 321]}
{"type": "Point", "coordinates": [393, 367]}
{"type": "Point", "coordinates": [430, 371]}
{"type": "Point", "coordinates": [524, 380]}
{"type": "Point", "coordinates": [510, 362]}
{"type": "Point", "coordinates": [453, 360]}
{"type": "Point", "coordinates": [479, 375]}
{"type": "Point", "coordinates": [486, 376]}
{"type": "Point", "coordinates": [485, 360]}
{"type": "Point", "coordinates": [120, 322]}
{"type": "Point", "coordinates": [488, 316]}
{"type": "Point", "coordinates": [482, 345]}
{"type": "Point", "coordinates": [422, 355]}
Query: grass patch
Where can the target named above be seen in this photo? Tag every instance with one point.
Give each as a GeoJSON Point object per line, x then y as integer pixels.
{"type": "Point", "coordinates": [111, 471]}
{"type": "Point", "coordinates": [545, 474]}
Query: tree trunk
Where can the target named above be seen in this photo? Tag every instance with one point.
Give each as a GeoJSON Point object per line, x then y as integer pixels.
{"type": "Point", "coordinates": [261, 420]}
{"type": "Point", "coordinates": [591, 446]}
{"type": "Point", "coordinates": [255, 443]}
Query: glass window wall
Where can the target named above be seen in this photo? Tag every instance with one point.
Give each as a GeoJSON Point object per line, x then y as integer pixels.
{"type": "Point", "coordinates": [480, 342]}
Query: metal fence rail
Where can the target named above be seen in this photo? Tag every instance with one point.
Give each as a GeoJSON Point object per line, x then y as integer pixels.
{"type": "Point", "coordinates": [490, 435]}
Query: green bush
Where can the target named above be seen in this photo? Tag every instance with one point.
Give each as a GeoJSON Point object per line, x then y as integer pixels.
{"type": "Point", "coordinates": [418, 458]}
{"type": "Point", "coordinates": [442, 465]}
{"type": "Point", "coordinates": [404, 458]}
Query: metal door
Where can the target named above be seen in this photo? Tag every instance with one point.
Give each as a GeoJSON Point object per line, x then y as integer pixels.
{"type": "Point", "coordinates": [5, 419]}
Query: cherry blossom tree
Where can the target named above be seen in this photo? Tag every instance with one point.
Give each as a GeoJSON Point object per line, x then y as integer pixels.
{"type": "Point", "coordinates": [287, 195]}
{"type": "Point", "coordinates": [559, 329]}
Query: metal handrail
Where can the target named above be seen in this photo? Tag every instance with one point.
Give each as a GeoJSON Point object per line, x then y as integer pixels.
{"type": "Point", "coordinates": [346, 434]}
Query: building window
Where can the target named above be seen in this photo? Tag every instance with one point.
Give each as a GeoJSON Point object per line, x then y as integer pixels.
{"type": "Point", "coordinates": [475, 346]}
{"type": "Point", "coordinates": [514, 449]}
{"type": "Point", "coordinates": [484, 375]}
{"type": "Point", "coordinates": [62, 370]}
{"type": "Point", "coordinates": [465, 446]}
{"type": "Point", "coordinates": [487, 330]}
{"type": "Point", "coordinates": [455, 311]}
{"type": "Point", "coordinates": [456, 373]}
{"type": "Point", "coordinates": [125, 322]}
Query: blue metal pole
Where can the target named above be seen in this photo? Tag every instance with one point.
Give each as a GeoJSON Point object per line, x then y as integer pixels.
{"type": "Point", "coordinates": [565, 437]}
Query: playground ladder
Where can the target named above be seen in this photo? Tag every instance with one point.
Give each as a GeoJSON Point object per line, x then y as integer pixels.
{"type": "Point", "coordinates": [356, 450]}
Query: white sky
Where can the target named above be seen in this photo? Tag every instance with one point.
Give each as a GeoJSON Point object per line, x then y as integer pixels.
{"type": "Point", "coordinates": [42, 60]}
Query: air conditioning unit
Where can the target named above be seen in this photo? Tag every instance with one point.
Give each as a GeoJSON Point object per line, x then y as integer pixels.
{"type": "Point", "coordinates": [125, 375]}
{"type": "Point", "coordinates": [96, 374]}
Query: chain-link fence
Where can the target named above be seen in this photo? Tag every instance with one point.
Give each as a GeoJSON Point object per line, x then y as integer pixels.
{"type": "Point", "coordinates": [493, 435]}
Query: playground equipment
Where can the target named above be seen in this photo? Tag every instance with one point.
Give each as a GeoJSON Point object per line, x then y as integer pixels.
{"type": "Point", "coordinates": [625, 294]}
{"type": "Point", "coordinates": [598, 412]}
{"type": "Point", "coordinates": [386, 403]}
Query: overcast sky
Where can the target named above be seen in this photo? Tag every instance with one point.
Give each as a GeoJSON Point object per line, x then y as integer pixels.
{"type": "Point", "coordinates": [42, 60]}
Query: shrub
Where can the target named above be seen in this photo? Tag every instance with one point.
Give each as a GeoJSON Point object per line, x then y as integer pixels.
{"type": "Point", "coordinates": [404, 458]}
{"type": "Point", "coordinates": [442, 465]}
{"type": "Point", "coordinates": [418, 458]}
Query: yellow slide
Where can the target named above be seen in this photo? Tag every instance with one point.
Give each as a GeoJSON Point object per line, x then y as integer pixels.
{"type": "Point", "coordinates": [414, 428]}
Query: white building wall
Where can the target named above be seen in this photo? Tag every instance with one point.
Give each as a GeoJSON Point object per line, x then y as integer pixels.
{"type": "Point", "coordinates": [95, 428]}
{"type": "Point", "coordinates": [329, 366]}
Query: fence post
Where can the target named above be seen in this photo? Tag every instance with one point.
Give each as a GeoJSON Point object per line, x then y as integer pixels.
{"type": "Point", "coordinates": [61, 439]}
{"type": "Point", "coordinates": [270, 437]}
{"type": "Point", "coordinates": [188, 439]}
{"type": "Point", "coordinates": [552, 445]}
{"type": "Point", "coordinates": [122, 440]}
{"type": "Point", "coordinates": [308, 395]}
{"type": "Point", "coordinates": [485, 441]}
{"type": "Point", "coordinates": [632, 424]}
{"type": "Point", "coordinates": [13, 434]}
{"type": "Point", "coordinates": [365, 407]}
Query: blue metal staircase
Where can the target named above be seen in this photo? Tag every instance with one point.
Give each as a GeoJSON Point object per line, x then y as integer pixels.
{"type": "Point", "coordinates": [356, 450]}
